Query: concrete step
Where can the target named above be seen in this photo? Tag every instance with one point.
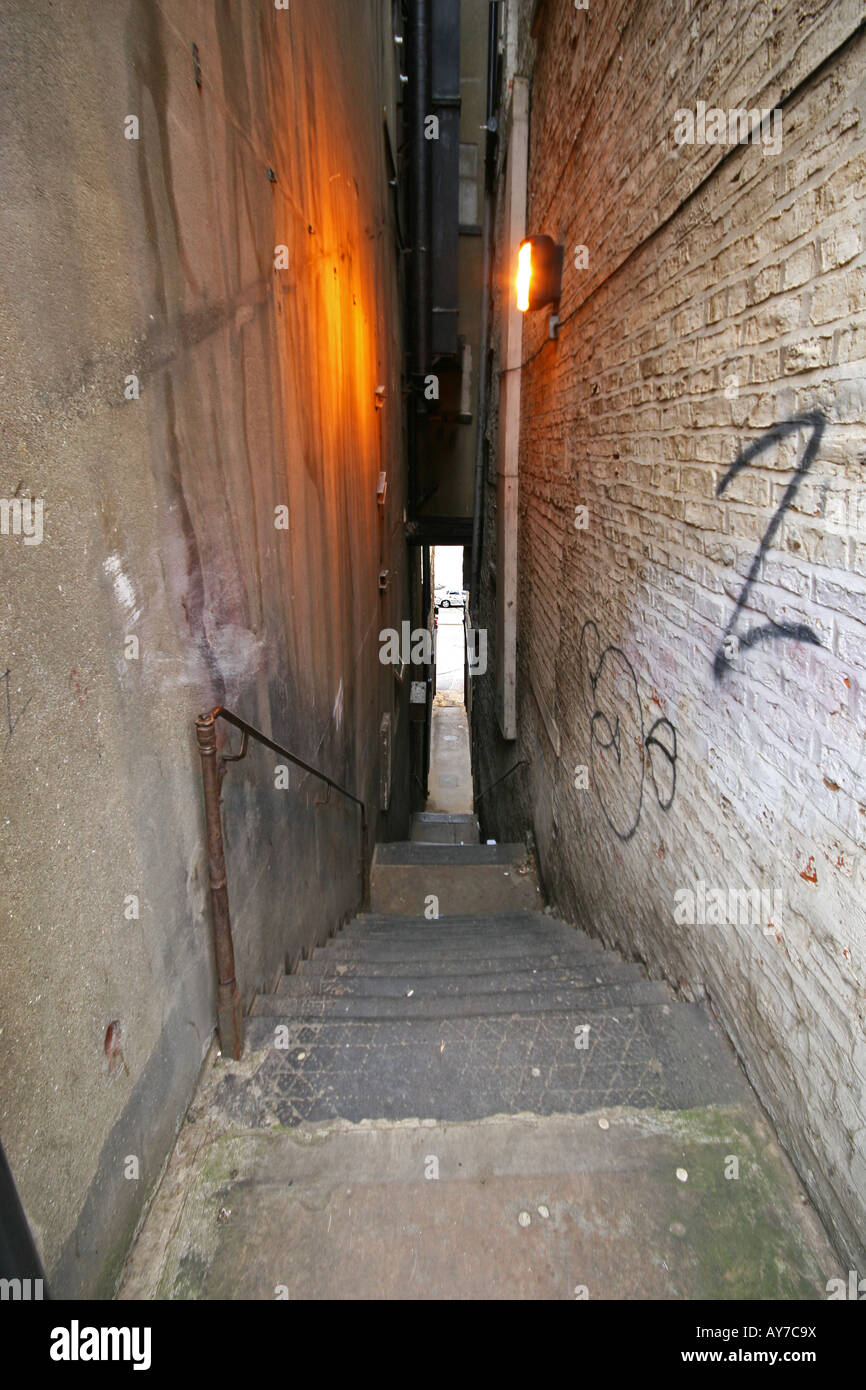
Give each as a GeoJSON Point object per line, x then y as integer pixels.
{"type": "Point", "coordinates": [383, 924]}
{"type": "Point", "coordinates": [436, 965]}
{"type": "Point", "coordinates": [407, 854]}
{"type": "Point", "coordinates": [452, 932]}
{"type": "Point", "coordinates": [350, 1213]}
{"type": "Point", "coordinates": [444, 827]}
{"type": "Point", "coordinates": [413, 1006]}
{"type": "Point", "coordinates": [550, 955]}
{"type": "Point", "coordinates": [395, 980]}
{"type": "Point", "coordinates": [455, 890]}
{"type": "Point", "coordinates": [411, 926]}
{"type": "Point", "coordinates": [670, 1056]}
{"type": "Point", "coordinates": [451, 954]}
{"type": "Point", "coordinates": [407, 876]}
{"type": "Point", "coordinates": [378, 923]}
{"type": "Point", "coordinates": [449, 934]}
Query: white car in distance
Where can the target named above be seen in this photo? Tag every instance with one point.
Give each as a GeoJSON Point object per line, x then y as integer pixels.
{"type": "Point", "coordinates": [450, 598]}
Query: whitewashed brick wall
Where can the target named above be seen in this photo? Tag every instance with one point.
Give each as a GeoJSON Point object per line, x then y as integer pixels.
{"type": "Point", "coordinates": [725, 295]}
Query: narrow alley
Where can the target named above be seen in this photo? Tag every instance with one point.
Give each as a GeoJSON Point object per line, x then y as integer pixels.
{"type": "Point", "coordinates": [433, 655]}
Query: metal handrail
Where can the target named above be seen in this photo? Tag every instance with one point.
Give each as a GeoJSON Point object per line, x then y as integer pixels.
{"type": "Point", "coordinates": [523, 762]}
{"type": "Point", "coordinates": [213, 767]}
{"type": "Point", "coordinates": [246, 729]}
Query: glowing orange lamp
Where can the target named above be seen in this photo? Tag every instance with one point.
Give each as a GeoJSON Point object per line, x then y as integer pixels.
{"type": "Point", "coordinates": [539, 272]}
{"type": "Point", "coordinates": [524, 275]}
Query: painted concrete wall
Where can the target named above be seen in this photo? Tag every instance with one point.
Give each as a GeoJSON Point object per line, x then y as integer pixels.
{"type": "Point", "coordinates": [720, 296]}
{"type": "Point", "coordinates": [155, 257]}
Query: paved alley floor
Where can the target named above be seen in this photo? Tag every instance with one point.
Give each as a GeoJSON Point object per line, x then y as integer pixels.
{"type": "Point", "coordinates": [450, 779]}
{"type": "Point", "coordinates": [450, 776]}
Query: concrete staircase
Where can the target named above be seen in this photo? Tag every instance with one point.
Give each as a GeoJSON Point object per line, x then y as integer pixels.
{"type": "Point", "coordinates": [492, 1007]}
{"type": "Point", "coordinates": [483, 1104]}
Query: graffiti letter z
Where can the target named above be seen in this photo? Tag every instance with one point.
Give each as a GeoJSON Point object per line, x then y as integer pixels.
{"type": "Point", "coordinates": [799, 632]}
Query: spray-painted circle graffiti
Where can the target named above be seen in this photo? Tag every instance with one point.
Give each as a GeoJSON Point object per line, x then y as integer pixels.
{"type": "Point", "coordinates": [619, 750]}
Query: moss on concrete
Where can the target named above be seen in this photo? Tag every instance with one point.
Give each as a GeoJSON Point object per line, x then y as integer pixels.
{"type": "Point", "coordinates": [616, 1204]}
{"type": "Point", "coordinates": [746, 1234]}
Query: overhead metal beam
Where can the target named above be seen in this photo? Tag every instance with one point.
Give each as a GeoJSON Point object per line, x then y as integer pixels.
{"type": "Point", "coordinates": [439, 530]}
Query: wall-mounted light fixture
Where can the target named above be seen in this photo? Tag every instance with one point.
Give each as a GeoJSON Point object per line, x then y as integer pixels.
{"type": "Point", "coordinates": [539, 273]}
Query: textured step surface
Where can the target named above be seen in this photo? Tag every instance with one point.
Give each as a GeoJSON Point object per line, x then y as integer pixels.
{"type": "Point", "coordinates": [527, 917]}
{"type": "Point", "coordinates": [406, 853]}
{"type": "Point", "coordinates": [502, 926]}
{"type": "Point", "coordinates": [458, 938]}
{"type": "Point", "coordinates": [478, 1014]}
{"type": "Point", "coordinates": [392, 954]}
{"type": "Point", "coordinates": [433, 964]}
{"type": "Point", "coordinates": [668, 1056]}
{"type": "Point", "coordinates": [428, 935]}
{"type": "Point", "coordinates": [444, 828]}
{"type": "Point", "coordinates": [436, 984]}
{"type": "Point", "coordinates": [411, 1006]}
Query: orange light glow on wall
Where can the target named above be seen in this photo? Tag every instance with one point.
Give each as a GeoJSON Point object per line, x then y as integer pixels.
{"type": "Point", "coordinates": [524, 275]}
{"type": "Point", "coordinates": [539, 272]}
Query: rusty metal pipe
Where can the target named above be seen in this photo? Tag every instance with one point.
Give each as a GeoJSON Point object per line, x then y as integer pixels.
{"type": "Point", "coordinates": [213, 767]}
{"type": "Point", "coordinates": [229, 1016]}
{"type": "Point", "coordinates": [365, 877]}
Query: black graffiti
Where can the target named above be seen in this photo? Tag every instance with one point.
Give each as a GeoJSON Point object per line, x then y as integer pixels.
{"type": "Point", "coordinates": [620, 751]}
{"type": "Point", "coordinates": [798, 632]}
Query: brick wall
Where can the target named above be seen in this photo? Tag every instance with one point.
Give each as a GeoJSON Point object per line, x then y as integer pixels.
{"type": "Point", "coordinates": [720, 317]}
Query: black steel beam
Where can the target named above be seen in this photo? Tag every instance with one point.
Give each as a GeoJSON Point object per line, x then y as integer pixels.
{"type": "Point", "coordinates": [439, 530]}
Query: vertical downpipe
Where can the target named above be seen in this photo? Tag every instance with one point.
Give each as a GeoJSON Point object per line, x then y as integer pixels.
{"type": "Point", "coordinates": [229, 1018]}
{"type": "Point", "coordinates": [421, 99]}
{"type": "Point", "coordinates": [478, 500]}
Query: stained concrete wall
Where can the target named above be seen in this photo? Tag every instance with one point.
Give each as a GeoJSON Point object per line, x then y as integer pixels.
{"type": "Point", "coordinates": [155, 256]}
{"type": "Point", "coordinates": [721, 295]}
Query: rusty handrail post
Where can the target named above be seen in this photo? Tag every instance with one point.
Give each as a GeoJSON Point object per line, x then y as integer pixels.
{"type": "Point", "coordinates": [365, 877]}
{"type": "Point", "coordinates": [229, 1016]}
{"type": "Point", "coordinates": [213, 768]}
